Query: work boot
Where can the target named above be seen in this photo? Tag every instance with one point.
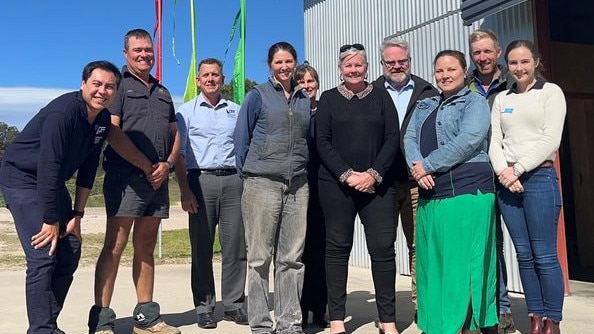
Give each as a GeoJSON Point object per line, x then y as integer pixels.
{"type": "Point", "coordinates": [506, 324]}
{"type": "Point", "coordinates": [160, 328]}
{"type": "Point", "coordinates": [536, 324]}
{"type": "Point", "coordinates": [551, 327]}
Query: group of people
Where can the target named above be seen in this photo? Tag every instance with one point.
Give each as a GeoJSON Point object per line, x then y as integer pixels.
{"type": "Point", "coordinates": [283, 177]}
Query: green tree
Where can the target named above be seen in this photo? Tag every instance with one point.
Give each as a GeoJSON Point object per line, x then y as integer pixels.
{"type": "Point", "coordinates": [7, 134]}
{"type": "Point", "coordinates": [227, 90]}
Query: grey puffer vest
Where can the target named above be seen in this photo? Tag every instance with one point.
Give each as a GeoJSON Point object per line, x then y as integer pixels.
{"type": "Point", "coordinates": [278, 147]}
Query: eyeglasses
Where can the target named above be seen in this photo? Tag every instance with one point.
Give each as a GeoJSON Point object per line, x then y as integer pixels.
{"type": "Point", "coordinates": [357, 46]}
{"type": "Point", "coordinates": [392, 63]}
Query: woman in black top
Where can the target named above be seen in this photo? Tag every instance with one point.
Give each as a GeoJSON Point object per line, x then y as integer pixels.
{"type": "Point", "coordinates": [357, 139]}
{"type": "Point", "coordinates": [314, 296]}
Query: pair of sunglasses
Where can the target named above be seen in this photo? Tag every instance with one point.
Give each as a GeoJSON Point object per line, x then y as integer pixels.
{"type": "Point", "coordinates": [357, 46]}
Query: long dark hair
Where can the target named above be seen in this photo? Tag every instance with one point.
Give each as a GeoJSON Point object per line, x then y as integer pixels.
{"type": "Point", "coordinates": [519, 43]}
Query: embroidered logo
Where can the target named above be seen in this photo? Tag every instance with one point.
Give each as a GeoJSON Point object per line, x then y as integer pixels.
{"type": "Point", "coordinates": [140, 317]}
{"type": "Point", "coordinates": [99, 134]}
{"type": "Point", "coordinates": [508, 110]}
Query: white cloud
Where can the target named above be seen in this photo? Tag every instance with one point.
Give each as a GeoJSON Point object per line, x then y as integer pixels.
{"type": "Point", "coordinates": [19, 104]}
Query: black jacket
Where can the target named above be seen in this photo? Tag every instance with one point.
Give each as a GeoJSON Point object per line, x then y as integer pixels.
{"type": "Point", "coordinates": [423, 89]}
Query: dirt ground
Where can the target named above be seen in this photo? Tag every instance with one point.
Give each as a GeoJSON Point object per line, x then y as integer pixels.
{"type": "Point", "coordinates": [94, 220]}
{"type": "Point", "coordinates": [11, 254]}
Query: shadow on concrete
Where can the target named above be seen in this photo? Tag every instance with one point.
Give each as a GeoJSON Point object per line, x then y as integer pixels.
{"type": "Point", "coordinates": [360, 309]}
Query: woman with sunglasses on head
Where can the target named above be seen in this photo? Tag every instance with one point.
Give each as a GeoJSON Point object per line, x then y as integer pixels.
{"type": "Point", "coordinates": [314, 296]}
{"type": "Point", "coordinates": [271, 156]}
{"type": "Point", "coordinates": [527, 123]}
{"type": "Point", "coordinates": [357, 138]}
{"type": "Point", "coordinates": [446, 148]}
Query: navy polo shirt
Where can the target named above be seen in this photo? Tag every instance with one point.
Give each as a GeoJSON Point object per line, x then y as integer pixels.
{"type": "Point", "coordinates": [56, 143]}
{"type": "Point", "coordinates": [145, 114]}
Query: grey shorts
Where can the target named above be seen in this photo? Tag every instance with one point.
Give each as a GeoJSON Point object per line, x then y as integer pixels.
{"type": "Point", "coordinates": [127, 193]}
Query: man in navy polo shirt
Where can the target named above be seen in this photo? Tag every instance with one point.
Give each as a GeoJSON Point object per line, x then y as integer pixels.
{"type": "Point", "coordinates": [65, 136]}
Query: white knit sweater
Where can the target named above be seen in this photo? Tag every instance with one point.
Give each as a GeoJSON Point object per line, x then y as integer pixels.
{"type": "Point", "coordinates": [526, 127]}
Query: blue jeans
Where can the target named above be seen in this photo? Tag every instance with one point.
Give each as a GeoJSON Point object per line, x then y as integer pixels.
{"type": "Point", "coordinates": [503, 302]}
{"type": "Point", "coordinates": [274, 215]}
{"type": "Point", "coordinates": [531, 218]}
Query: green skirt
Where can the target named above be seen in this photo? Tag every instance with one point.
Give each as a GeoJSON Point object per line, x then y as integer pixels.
{"type": "Point", "coordinates": [456, 263]}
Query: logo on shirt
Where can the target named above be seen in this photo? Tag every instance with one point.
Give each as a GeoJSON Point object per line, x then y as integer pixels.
{"type": "Point", "coordinates": [508, 110]}
{"type": "Point", "coordinates": [99, 134]}
{"type": "Point", "coordinates": [230, 111]}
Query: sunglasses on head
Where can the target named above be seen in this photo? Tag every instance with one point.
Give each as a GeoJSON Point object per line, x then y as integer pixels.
{"type": "Point", "coordinates": [357, 46]}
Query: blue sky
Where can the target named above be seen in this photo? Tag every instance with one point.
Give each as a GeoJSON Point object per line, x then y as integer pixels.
{"type": "Point", "coordinates": [45, 44]}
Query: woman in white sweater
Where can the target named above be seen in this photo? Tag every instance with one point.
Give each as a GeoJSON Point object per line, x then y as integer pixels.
{"type": "Point", "coordinates": [527, 123]}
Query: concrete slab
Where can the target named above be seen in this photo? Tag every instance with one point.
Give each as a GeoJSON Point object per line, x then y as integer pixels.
{"type": "Point", "coordinates": [173, 293]}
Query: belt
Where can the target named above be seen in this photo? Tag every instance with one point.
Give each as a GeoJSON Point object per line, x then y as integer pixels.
{"type": "Point", "coordinates": [544, 164]}
{"type": "Point", "coordinates": [219, 172]}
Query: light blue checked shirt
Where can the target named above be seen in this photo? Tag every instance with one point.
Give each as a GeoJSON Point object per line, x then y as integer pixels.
{"type": "Point", "coordinates": [206, 133]}
{"type": "Point", "coordinates": [401, 98]}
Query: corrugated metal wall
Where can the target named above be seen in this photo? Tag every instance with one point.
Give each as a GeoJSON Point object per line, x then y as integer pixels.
{"type": "Point", "coordinates": [330, 24]}
{"type": "Point", "coordinates": [429, 27]}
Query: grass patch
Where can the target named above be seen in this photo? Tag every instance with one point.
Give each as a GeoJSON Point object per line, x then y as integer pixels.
{"type": "Point", "coordinates": [175, 249]}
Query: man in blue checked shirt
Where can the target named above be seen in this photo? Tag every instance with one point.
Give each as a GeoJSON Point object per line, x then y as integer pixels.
{"type": "Point", "coordinates": [211, 194]}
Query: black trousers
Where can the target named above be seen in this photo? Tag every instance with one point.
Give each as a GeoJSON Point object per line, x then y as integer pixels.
{"type": "Point", "coordinates": [340, 205]}
{"type": "Point", "coordinates": [314, 295]}
{"type": "Point", "coordinates": [219, 203]}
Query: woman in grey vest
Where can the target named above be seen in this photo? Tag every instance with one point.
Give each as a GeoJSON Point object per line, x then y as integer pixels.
{"type": "Point", "coordinates": [271, 156]}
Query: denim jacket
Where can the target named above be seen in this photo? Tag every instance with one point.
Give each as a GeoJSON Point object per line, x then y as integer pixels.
{"type": "Point", "coordinates": [462, 128]}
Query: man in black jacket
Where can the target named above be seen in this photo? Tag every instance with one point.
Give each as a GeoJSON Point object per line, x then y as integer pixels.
{"type": "Point", "coordinates": [405, 89]}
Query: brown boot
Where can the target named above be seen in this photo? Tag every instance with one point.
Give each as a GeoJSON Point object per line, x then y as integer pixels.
{"type": "Point", "coordinates": [536, 324]}
{"type": "Point", "coordinates": [551, 327]}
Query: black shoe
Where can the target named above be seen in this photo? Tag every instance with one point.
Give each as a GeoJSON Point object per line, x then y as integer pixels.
{"type": "Point", "coordinates": [237, 316]}
{"type": "Point", "coordinates": [205, 320]}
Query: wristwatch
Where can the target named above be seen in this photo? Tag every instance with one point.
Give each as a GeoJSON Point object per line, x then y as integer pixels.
{"type": "Point", "coordinates": [170, 165]}
{"type": "Point", "coordinates": [517, 172]}
{"type": "Point", "coordinates": [78, 213]}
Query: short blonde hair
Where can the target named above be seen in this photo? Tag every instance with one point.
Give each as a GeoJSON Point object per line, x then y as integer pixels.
{"type": "Point", "coordinates": [479, 34]}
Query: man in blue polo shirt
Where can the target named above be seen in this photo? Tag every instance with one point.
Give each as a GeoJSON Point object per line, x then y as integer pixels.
{"type": "Point", "coordinates": [66, 136]}
{"type": "Point", "coordinates": [211, 193]}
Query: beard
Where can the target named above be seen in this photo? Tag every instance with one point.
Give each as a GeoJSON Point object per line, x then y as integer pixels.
{"type": "Point", "coordinates": [398, 78]}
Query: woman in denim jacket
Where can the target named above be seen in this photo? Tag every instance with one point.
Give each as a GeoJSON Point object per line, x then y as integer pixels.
{"type": "Point", "coordinates": [446, 148]}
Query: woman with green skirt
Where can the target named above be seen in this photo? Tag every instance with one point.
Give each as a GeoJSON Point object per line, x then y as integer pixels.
{"type": "Point", "coordinates": [446, 148]}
